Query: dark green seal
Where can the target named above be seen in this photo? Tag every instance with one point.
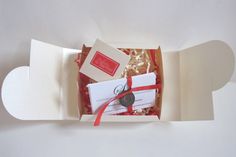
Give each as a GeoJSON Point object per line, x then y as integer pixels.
{"type": "Point", "coordinates": [127, 100]}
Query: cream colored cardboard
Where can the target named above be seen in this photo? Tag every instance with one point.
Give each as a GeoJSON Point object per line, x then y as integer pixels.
{"type": "Point", "coordinates": [39, 91]}
{"type": "Point", "coordinates": [190, 77]}
{"type": "Point", "coordinates": [46, 89]}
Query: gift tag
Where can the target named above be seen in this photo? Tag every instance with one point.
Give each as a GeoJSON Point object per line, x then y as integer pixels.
{"type": "Point", "coordinates": [104, 62]}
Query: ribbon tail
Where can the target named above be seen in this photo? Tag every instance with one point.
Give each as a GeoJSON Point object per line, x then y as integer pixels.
{"type": "Point", "coordinates": [99, 115]}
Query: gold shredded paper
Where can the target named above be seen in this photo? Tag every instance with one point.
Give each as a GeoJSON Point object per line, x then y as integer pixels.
{"type": "Point", "coordinates": [140, 63]}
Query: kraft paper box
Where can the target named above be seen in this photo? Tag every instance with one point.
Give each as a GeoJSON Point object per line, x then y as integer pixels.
{"type": "Point", "coordinates": [47, 88]}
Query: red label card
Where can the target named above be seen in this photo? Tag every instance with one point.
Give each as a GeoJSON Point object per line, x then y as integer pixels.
{"type": "Point", "coordinates": [104, 63]}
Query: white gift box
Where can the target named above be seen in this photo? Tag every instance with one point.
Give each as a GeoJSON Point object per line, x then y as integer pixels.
{"type": "Point", "coordinates": [47, 88]}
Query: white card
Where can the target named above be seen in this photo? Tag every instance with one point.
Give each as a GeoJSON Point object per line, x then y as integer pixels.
{"type": "Point", "coordinates": [104, 62]}
{"type": "Point", "coordinates": [101, 92]}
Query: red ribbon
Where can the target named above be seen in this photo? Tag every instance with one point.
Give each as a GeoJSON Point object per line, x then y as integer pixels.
{"type": "Point", "coordinates": [129, 84]}
{"type": "Point", "coordinates": [135, 89]}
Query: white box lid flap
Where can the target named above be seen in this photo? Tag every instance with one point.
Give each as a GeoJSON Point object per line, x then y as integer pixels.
{"type": "Point", "coordinates": [190, 76]}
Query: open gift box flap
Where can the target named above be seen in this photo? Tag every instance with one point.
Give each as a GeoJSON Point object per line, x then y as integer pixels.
{"type": "Point", "coordinates": [190, 76]}
{"type": "Point", "coordinates": [47, 89]}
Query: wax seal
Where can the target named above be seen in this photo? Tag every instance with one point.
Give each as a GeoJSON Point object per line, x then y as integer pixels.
{"type": "Point", "coordinates": [127, 100]}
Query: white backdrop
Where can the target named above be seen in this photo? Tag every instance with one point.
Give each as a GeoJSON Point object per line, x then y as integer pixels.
{"type": "Point", "coordinates": [171, 24]}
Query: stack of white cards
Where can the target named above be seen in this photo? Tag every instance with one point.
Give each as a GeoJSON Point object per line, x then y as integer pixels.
{"type": "Point", "coordinates": [103, 91]}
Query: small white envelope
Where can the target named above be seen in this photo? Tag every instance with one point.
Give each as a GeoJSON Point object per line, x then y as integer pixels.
{"type": "Point", "coordinates": [103, 91]}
